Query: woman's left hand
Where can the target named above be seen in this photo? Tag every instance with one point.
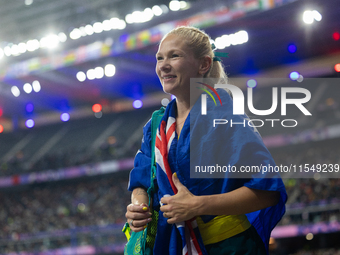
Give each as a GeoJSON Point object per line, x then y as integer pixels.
{"type": "Point", "coordinates": [180, 207]}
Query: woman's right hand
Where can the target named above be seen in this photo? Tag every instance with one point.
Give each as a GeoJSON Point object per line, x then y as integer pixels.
{"type": "Point", "coordinates": [138, 216]}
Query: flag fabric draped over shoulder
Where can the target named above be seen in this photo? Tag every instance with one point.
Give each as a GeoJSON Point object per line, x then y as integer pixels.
{"type": "Point", "coordinates": [240, 146]}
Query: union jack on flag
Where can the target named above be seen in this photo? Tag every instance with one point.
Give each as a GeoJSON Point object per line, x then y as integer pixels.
{"type": "Point", "coordinates": [189, 229]}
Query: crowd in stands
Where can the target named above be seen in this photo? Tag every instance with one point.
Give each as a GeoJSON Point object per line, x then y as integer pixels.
{"type": "Point", "coordinates": [63, 159]}
{"type": "Point", "coordinates": [58, 206]}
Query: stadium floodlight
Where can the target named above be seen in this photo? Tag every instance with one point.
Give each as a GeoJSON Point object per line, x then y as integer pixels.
{"type": "Point", "coordinates": [91, 74]}
{"type": "Point", "coordinates": [83, 31]}
{"type": "Point", "coordinates": [233, 39]}
{"type": "Point", "coordinates": [22, 47]}
{"type": "Point", "coordinates": [110, 70]}
{"type": "Point", "coordinates": [36, 86]}
{"type": "Point", "coordinates": [107, 25]}
{"type": "Point", "coordinates": [28, 2]}
{"type": "Point", "coordinates": [81, 76]}
{"type": "Point", "coordinates": [75, 34]}
{"type": "Point", "coordinates": [27, 88]}
{"type": "Point", "coordinates": [7, 51]}
{"type": "Point", "coordinates": [316, 15]}
{"type": "Point", "coordinates": [62, 37]}
{"type": "Point", "coordinates": [184, 5]}
{"type": "Point", "coordinates": [15, 50]}
{"type": "Point", "coordinates": [309, 16]}
{"type": "Point", "coordinates": [175, 5]}
{"type": "Point", "coordinates": [98, 27]}
{"type": "Point", "coordinates": [15, 91]}
{"type": "Point", "coordinates": [32, 45]}
{"type": "Point", "coordinates": [89, 30]}
{"type": "Point", "coordinates": [157, 11]}
{"type": "Point", "coordinates": [164, 8]}
{"type": "Point", "coordinates": [50, 41]}
{"type": "Point", "coordinates": [129, 18]}
{"type": "Point", "coordinates": [99, 72]}
{"type": "Point", "coordinates": [147, 14]}
{"type": "Point", "coordinates": [115, 22]}
{"type": "Point", "coordinates": [121, 24]}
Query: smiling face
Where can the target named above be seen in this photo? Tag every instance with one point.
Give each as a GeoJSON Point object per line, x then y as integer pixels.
{"type": "Point", "coordinates": [176, 64]}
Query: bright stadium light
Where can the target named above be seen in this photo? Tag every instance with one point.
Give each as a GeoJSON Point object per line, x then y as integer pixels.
{"type": "Point", "coordinates": [22, 47]}
{"type": "Point", "coordinates": [107, 25]}
{"type": "Point", "coordinates": [316, 15]}
{"type": "Point", "coordinates": [99, 72]}
{"type": "Point", "coordinates": [62, 37]}
{"type": "Point", "coordinates": [309, 16]}
{"type": "Point", "coordinates": [98, 27]}
{"type": "Point", "coordinates": [137, 16]}
{"type": "Point", "coordinates": [27, 88]}
{"type": "Point", "coordinates": [15, 50]}
{"type": "Point", "coordinates": [129, 18]}
{"type": "Point", "coordinates": [75, 34]}
{"type": "Point", "coordinates": [83, 31]}
{"type": "Point", "coordinates": [32, 45]}
{"type": "Point", "coordinates": [110, 70]}
{"type": "Point", "coordinates": [28, 2]}
{"type": "Point", "coordinates": [164, 8]}
{"type": "Point", "coordinates": [15, 91]}
{"type": "Point", "coordinates": [36, 86]}
{"type": "Point", "coordinates": [233, 39]}
{"type": "Point", "coordinates": [7, 51]}
{"type": "Point", "coordinates": [175, 5]}
{"type": "Point", "coordinates": [91, 74]}
{"type": "Point", "coordinates": [147, 14]}
{"type": "Point", "coordinates": [121, 24]}
{"type": "Point", "coordinates": [157, 11]}
{"type": "Point", "coordinates": [115, 23]}
{"type": "Point", "coordinates": [50, 41]}
{"type": "Point", "coordinates": [89, 30]}
{"type": "Point", "coordinates": [184, 5]}
{"type": "Point", "coordinates": [81, 76]}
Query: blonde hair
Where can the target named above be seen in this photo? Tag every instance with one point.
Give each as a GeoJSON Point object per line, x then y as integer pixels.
{"type": "Point", "coordinates": [200, 44]}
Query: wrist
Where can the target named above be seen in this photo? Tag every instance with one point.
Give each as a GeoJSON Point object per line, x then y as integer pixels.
{"type": "Point", "coordinates": [198, 205]}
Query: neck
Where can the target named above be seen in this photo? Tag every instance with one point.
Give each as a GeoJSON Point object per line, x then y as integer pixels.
{"type": "Point", "coordinates": [183, 109]}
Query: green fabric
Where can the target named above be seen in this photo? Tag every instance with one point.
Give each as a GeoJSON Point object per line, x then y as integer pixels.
{"type": "Point", "coordinates": [142, 243]}
{"type": "Point", "coordinates": [137, 244]}
{"type": "Point", "coordinates": [245, 243]}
